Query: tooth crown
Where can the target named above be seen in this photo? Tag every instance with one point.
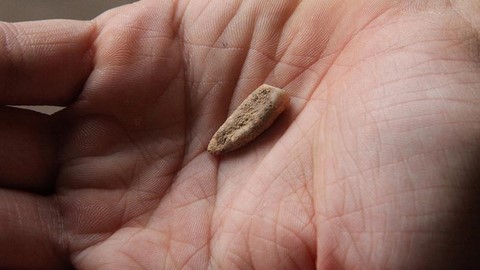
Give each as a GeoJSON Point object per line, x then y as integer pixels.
{"type": "Point", "coordinates": [256, 113]}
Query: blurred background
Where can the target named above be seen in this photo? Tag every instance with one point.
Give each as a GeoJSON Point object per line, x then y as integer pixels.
{"type": "Point", "coordinates": [29, 10]}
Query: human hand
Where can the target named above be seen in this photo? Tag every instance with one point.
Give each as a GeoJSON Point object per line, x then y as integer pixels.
{"type": "Point", "coordinates": [373, 166]}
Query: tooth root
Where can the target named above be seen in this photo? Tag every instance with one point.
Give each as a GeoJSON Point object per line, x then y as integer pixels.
{"type": "Point", "coordinates": [256, 113]}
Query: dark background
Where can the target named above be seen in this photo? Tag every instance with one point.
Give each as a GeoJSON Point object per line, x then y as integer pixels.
{"type": "Point", "coordinates": [27, 10]}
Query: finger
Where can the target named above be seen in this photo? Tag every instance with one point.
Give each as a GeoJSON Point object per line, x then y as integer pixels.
{"type": "Point", "coordinates": [27, 150]}
{"type": "Point", "coordinates": [30, 233]}
{"type": "Point", "coordinates": [44, 62]}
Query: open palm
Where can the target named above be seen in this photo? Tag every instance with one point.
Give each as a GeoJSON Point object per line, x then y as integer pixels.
{"type": "Point", "coordinates": [373, 166]}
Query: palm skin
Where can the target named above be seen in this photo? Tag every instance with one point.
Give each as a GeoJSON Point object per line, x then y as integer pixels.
{"type": "Point", "coordinates": [371, 167]}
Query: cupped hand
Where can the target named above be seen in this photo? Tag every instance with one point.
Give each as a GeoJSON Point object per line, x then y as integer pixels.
{"type": "Point", "coordinates": [373, 166]}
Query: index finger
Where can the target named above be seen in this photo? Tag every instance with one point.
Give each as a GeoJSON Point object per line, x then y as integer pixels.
{"type": "Point", "coordinates": [44, 62]}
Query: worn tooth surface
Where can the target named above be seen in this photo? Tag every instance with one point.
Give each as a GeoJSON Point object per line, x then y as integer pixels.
{"type": "Point", "coordinates": [256, 113]}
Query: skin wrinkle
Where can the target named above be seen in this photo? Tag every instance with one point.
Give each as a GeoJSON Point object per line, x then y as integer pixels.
{"type": "Point", "coordinates": [193, 255]}
{"type": "Point", "coordinates": [246, 223]}
{"type": "Point", "coordinates": [89, 54]}
{"type": "Point", "coordinates": [282, 27]}
{"type": "Point", "coordinates": [55, 244]}
{"type": "Point", "coordinates": [16, 33]}
{"type": "Point", "coordinates": [464, 102]}
{"type": "Point", "coordinates": [65, 238]}
{"type": "Point", "coordinates": [170, 37]}
{"type": "Point", "coordinates": [210, 46]}
{"type": "Point", "coordinates": [238, 78]}
{"type": "Point", "coordinates": [217, 170]}
{"type": "Point", "coordinates": [278, 224]}
{"type": "Point", "coordinates": [282, 33]}
{"type": "Point", "coordinates": [7, 32]}
{"type": "Point", "coordinates": [138, 263]}
{"type": "Point", "coordinates": [243, 78]}
{"type": "Point", "coordinates": [307, 68]}
{"type": "Point", "coordinates": [247, 57]}
{"type": "Point", "coordinates": [461, 14]}
{"type": "Point", "coordinates": [216, 40]}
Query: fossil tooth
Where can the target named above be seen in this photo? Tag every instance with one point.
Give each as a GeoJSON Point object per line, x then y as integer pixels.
{"type": "Point", "coordinates": [256, 113]}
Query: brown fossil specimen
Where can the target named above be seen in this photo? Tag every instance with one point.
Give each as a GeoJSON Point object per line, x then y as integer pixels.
{"type": "Point", "coordinates": [256, 113]}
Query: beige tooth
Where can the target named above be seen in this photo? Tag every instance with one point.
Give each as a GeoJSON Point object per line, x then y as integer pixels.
{"type": "Point", "coordinates": [256, 113]}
